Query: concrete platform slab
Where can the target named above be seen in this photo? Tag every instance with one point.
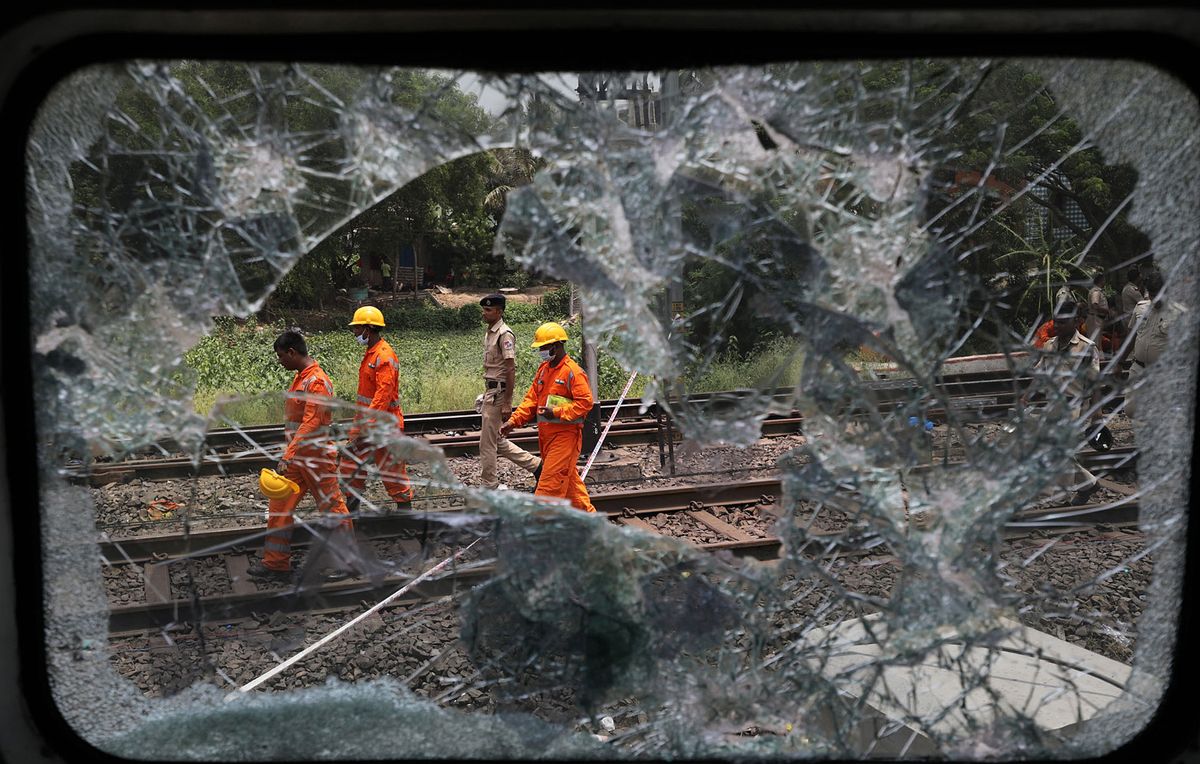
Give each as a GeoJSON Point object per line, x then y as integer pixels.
{"type": "Point", "coordinates": [958, 688]}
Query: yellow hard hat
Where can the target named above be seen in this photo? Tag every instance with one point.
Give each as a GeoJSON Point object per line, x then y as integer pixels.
{"type": "Point", "coordinates": [369, 315]}
{"type": "Point", "coordinates": [547, 333]}
{"type": "Point", "coordinates": [276, 486]}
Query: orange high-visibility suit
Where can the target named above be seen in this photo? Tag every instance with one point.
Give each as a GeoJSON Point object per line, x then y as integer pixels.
{"type": "Point", "coordinates": [379, 390]}
{"type": "Point", "coordinates": [560, 439]}
{"type": "Point", "coordinates": [312, 463]}
{"type": "Point", "coordinates": [1043, 334]}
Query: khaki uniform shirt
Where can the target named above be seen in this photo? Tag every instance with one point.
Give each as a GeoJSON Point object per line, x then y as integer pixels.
{"type": "Point", "coordinates": [1130, 297]}
{"type": "Point", "coordinates": [1152, 334]}
{"type": "Point", "coordinates": [499, 343]}
{"type": "Point", "coordinates": [1080, 365]}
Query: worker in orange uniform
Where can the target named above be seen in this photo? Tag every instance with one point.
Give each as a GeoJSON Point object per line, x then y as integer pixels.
{"type": "Point", "coordinates": [309, 459]}
{"type": "Point", "coordinates": [560, 396]}
{"type": "Point", "coordinates": [1044, 333]}
{"type": "Point", "coordinates": [378, 391]}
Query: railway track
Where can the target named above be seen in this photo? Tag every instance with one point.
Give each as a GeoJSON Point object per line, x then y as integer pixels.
{"type": "Point", "coordinates": [637, 431]}
{"type": "Point", "coordinates": [633, 431]}
{"type": "Point", "coordinates": [886, 391]}
{"type": "Point", "coordinates": [700, 504]}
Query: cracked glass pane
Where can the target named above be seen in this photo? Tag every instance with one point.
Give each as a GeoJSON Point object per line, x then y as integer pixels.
{"type": "Point", "coordinates": [887, 358]}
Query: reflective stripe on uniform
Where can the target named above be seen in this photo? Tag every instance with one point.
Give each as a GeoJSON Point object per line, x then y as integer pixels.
{"type": "Point", "coordinates": [275, 546]}
{"type": "Point", "coordinates": [365, 399]}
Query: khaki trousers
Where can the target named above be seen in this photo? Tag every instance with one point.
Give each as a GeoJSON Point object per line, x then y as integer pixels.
{"type": "Point", "coordinates": [1131, 382]}
{"type": "Point", "coordinates": [491, 444]}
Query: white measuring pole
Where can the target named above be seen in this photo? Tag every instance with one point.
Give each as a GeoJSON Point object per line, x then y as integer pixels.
{"type": "Point", "coordinates": [611, 417]}
{"type": "Point", "coordinates": [334, 634]}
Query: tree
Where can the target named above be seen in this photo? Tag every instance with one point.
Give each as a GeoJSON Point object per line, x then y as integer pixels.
{"type": "Point", "coordinates": [174, 128]}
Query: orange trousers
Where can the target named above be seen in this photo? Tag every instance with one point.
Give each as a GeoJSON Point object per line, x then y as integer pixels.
{"type": "Point", "coordinates": [357, 461]}
{"type": "Point", "coordinates": [316, 474]}
{"type": "Point", "coordinates": [560, 477]}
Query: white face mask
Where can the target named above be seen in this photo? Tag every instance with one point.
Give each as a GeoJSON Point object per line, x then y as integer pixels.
{"type": "Point", "coordinates": [545, 354]}
{"type": "Point", "coordinates": [361, 339]}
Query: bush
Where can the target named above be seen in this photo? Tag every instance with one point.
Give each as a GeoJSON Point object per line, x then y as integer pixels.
{"type": "Point", "coordinates": [557, 302]}
{"type": "Point", "coordinates": [527, 313]}
{"type": "Point", "coordinates": [427, 318]}
{"type": "Point", "coordinates": [238, 358]}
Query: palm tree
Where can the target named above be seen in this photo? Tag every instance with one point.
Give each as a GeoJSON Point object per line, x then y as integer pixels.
{"type": "Point", "coordinates": [511, 168]}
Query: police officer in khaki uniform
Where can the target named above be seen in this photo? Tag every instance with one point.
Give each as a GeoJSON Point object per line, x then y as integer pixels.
{"type": "Point", "coordinates": [1152, 319]}
{"type": "Point", "coordinates": [499, 374]}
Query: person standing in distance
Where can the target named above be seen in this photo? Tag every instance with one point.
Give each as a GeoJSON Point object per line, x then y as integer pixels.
{"type": "Point", "coordinates": [499, 377]}
{"type": "Point", "coordinates": [1098, 312]}
{"type": "Point", "coordinates": [1070, 363]}
{"type": "Point", "coordinates": [560, 397]}
{"type": "Point", "coordinates": [1131, 295]}
{"type": "Point", "coordinates": [379, 393]}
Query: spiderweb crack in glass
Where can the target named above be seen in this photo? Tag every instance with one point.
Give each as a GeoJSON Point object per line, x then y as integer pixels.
{"type": "Point", "coordinates": [812, 226]}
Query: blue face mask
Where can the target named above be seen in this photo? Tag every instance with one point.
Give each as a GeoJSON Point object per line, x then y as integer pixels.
{"type": "Point", "coordinates": [545, 354]}
{"type": "Point", "coordinates": [361, 339]}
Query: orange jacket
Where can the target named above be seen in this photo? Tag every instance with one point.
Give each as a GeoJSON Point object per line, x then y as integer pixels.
{"type": "Point", "coordinates": [567, 380]}
{"type": "Point", "coordinates": [1043, 334]}
{"type": "Point", "coordinates": [378, 385]}
{"type": "Point", "coordinates": [307, 421]}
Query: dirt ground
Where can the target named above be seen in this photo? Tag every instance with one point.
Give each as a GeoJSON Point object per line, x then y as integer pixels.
{"type": "Point", "coordinates": [455, 298]}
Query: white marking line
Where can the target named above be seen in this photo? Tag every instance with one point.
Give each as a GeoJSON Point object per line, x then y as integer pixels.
{"type": "Point", "coordinates": [604, 434]}
{"type": "Point", "coordinates": [334, 634]}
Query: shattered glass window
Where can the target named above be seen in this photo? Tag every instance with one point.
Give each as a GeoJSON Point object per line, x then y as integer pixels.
{"type": "Point", "coordinates": [937, 507]}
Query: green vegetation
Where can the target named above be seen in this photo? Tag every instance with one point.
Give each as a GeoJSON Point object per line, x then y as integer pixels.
{"type": "Point", "coordinates": [440, 363]}
{"type": "Point", "coordinates": [996, 129]}
{"type": "Point", "coordinates": [440, 360]}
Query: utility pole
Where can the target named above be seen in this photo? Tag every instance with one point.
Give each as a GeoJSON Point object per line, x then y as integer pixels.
{"type": "Point", "coordinates": [591, 423]}
{"type": "Point", "coordinates": [668, 99]}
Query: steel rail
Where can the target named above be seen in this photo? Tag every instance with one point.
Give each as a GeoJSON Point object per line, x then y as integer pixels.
{"type": "Point", "coordinates": [179, 613]}
{"type": "Point", "coordinates": [978, 383]}
{"type": "Point", "coordinates": [628, 432]}
{"type": "Point", "coordinates": [614, 504]}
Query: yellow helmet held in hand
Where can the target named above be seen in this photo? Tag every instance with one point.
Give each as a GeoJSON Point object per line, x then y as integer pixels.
{"type": "Point", "coordinates": [369, 315]}
{"type": "Point", "coordinates": [547, 333]}
{"type": "Point", "coordinates": [276, 486]}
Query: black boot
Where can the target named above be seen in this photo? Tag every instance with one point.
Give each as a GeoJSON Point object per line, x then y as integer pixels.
{"type": "Point", "coordinates": [1081, 496]}
{"type": "Point", "coordinates": [404, 506]}
{"type": "Point", "coordinates": [353, 503]}
{"type": "Point", "coordinates": [258, 570]}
